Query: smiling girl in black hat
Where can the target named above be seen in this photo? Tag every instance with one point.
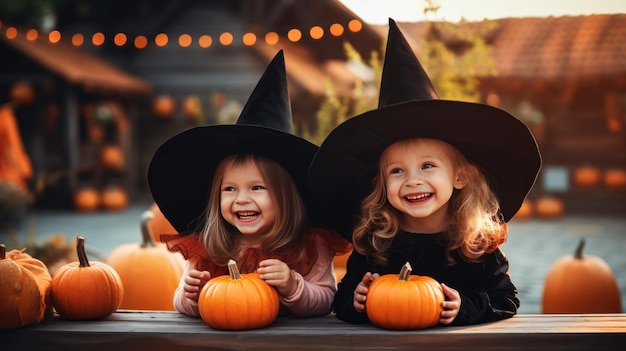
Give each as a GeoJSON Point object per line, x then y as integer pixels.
{"type": "Point", "coordinates": [430, 182]}
{"type": "Point", "coordinates": [240, 192]}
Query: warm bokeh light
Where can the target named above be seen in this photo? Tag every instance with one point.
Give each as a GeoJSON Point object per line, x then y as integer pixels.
{"type": "Point", "coordinates": [205, 41]}
{"type": "Point", "coordinates": [11, 32]}
{"type": "Point", "coordinates": [249, 39]}
{"type": "Point", "coordinates": [226, 38]}
{"type": "Point", "coordinates": [355, 25]}
{"type": "Point", "coordinates": [120, 39]}
{"type": "Point", "coordinates": [316, 32]}
{"type": "Point", "coordinates": [184, 40]}
{"type": "Point", "coordinates": [294, 34]}
{"type": "Point", "coordinates": [97, 39]}
{"type": "Point", "coordinates": [336, 29]}
{"type": "Point", "coordinates": [32, 34]}
{"type": "Point", "coordinates": [141, 42]}
{"type": "Point", "coordinates": [161, 39]}
{"type": "Point", "coordinates": [54, 36]}
{"type": "Point", "coordinates": [271, 38]}
{"type": "Point", "coordinates": [78, 39]}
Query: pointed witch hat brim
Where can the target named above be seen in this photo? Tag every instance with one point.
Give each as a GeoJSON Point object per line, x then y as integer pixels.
{"type": "Point", "coordinates": [341, 173]}
{"type": "Point", "coordinates": [182, 169]}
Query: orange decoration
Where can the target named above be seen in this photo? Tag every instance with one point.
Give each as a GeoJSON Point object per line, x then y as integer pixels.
{"type": "Point", "coordinates": [22, 92]}
{"type": "Point", "coordinates": [525, 211]}
{"type": "Point", "coordinates": [86, 290]}
{"type": "Point", "coordinates": [114, 197]}
{"type": "Point", "coordinates": [25, 289]}
{"type": "Point", "coordinates": [238, 301]}
{"type": "Point", "coordinates": [586, 177]}
{"type": "Point", "coordinates": [577, 284]}
{"type": "Point", "coordinates": [159, 224]}
{"type": "Point", "coordinates": [549, 207]}
{"type": "Point", "coordinates": [163, 106]}
{"type": "Point", "coordinates": [149, 272]}
{"type": "Point", "coordinates": [615, 178]}
{"type": "Point", "coordinates": [112, 157]}
{"type": "Point", "coordinates": [339, 264]}
{"type": "Point", "coordinates": [404, 301]}
{"type": "Point", "coordinates": [87, 199]}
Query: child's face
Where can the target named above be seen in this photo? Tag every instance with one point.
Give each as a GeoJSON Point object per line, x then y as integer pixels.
{"type": "Point", "coordinates": [245, 201]}
{"type": "Point", "coordinates": [420, 177]}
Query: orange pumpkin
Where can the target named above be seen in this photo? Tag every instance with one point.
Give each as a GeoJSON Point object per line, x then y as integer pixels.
{"type": "Point", "coordinates": [159, 224]}
{"type": "Point", "coordinates": [586, 177]}
{"type": "Point", "coordinates": [112, 157]}
{"type": "Point", "coordinates": [163, 106]}
{"type": "Point", "coordinates": [549, 207]}
{"type": "Point", "coordinates": [114, 197]}
{"type": "Point", "coordinates": [339, 265]}
{"type": "Point", "coordinates": [22, 92]}
{"type": "Point", "coordinates": [404, 301]}
{"type": "Point", "coordinates": [150, 273]}
{"type": "Point", "coordinates": [238, 301]}
{"type": "Point", "coordinates": [577, 284]}
{"type": "Point", "coordinates": [192, 107]}
{"type": "Point", "coordinates": [525, 211]}
{"type": "Point", "coordinates": [25, 288]}
{"type": "Point", "coordinates": [615, 178]}
{"type": "Point", "coordinates": [87, 199]}
{"type": "Point", "coordinates": [86, 290]}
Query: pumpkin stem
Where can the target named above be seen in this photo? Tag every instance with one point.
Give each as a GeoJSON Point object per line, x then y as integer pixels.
{"type": "Point", "coordinates": [146, 231]}
{"type": "Point", "coordinates": [3, 251]}
{"type": "Point", "coordinates": [80, 250]}
{"type": "Point", "coordinates": [579, 249]}
{"type": "Point", "coordinates": [405, 272]}
{"type": "Point", "coordinates": [233, 270]}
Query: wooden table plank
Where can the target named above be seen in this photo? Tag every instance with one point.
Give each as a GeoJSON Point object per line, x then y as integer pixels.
{"type": "Point", "coordinates": [169, 331]}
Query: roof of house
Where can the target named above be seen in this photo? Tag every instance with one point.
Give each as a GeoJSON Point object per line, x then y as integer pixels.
{"type": "Point", "coordinates": [77, 66]}
{"type": "Point", "coordinates": [552, 48]}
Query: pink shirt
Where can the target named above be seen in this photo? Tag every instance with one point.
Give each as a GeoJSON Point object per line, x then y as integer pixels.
{"type": "Point", "coordinates": [314, 293]}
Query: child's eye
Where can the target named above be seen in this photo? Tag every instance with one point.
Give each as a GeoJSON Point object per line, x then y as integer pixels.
{"type": "Point", "coordinates": [395, 171]}
{"type": "Point", "coordinates": [228, 188]}
{"type": "Point", "coordinates": [258, 187]}
{"type": "Point", "coordinates": [427, 165]}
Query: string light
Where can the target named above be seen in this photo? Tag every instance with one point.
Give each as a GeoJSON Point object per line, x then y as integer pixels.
{"type": "Point", "coordinates": [54, 36]}
{"type": "Point", "coordinates": [186, 40]}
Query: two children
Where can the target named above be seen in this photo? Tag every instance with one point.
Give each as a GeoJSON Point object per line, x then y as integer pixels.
{"type": "Point", "coordinates": [419, 180]}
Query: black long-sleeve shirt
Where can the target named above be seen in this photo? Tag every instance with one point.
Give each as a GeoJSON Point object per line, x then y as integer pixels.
{"type": "Point", "coordinates": [487, 292]}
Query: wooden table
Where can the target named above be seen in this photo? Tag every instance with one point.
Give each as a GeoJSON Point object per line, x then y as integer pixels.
{"type": "Point", "coordinates": [171, 331]}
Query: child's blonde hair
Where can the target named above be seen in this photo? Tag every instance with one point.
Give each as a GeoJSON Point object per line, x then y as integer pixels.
{"type": "Point", "coordinates": [286, 239]}
{"type": "Point", "coordinates": [474, 228]}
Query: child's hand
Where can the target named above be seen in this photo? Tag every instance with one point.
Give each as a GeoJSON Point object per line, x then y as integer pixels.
{"type": "Point", "coordinates": [194, 282]}
{"type": "Point", "coordinates": [277, 274]}
{"type": "Point", "coordinates": [360, 293]}
{"type": "Point", "coordinates": [451, 306]}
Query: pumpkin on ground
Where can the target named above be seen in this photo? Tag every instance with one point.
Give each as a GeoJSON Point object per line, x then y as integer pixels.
{"type": "Point", "coordinates": [404, 301]}
{"type": "Point", "coordinates": [577, 284]}
{"type": "Point", "coordinates": [86, 290]}
{"type": "Point", "coordinates": [615, 178]}
{"type": "Point", "coordinates": [159, 224]}
{"type": "Point", "coordinates": [87, 199]}
{"type": "Point", "coordinates": [238, 301]}
{"type": "Point", "coordinates": [24, 289]}
{"type": "Point", "coordinates": [114, 198]}
{"type": "Point", "coordinates": [549, 207]}
{"type": "Point", "coordinates": [525, 211]}
{"type": "Point", "coordinates": [149, 272]}
{"type": "Point", "coordinates": [586, 177]}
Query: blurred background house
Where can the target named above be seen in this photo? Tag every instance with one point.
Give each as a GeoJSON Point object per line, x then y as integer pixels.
{"type": "Point", "coordinates": [124, 76]}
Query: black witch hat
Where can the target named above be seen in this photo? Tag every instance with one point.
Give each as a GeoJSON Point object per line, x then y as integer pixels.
{"type": "Point", "coordinates": [182, 169]}
{"type": "Point", "coordinates": [409, 107]}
